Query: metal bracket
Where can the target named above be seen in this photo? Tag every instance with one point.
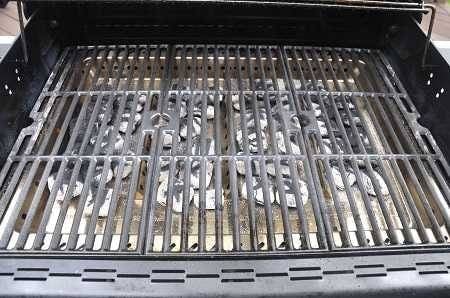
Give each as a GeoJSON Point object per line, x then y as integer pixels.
{"type": "Point", "coordinates": [22, 31]}
{"type": "Point", "coordinates": [432, 8]}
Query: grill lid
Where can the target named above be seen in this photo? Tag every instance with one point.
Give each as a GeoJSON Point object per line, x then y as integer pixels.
{"type": "Point", "coordinates": [390, 5]}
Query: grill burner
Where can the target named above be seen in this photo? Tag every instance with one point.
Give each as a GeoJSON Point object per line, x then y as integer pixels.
{"type": "Point", "coordinates": [154, 149]}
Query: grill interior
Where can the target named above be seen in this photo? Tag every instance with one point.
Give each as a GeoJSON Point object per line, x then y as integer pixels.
{"type": "Point", "coordinates": [214, 148]}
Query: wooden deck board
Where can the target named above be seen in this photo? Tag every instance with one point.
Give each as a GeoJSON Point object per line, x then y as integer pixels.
{"type": "Point", "coordinates": [9, 24]}
{"type": "Point", "coordinates": [441, 29]}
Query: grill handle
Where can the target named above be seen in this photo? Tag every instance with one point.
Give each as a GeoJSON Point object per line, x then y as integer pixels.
{"type": "Point", "coordinates": [22, 31]}
{"type": "Point", "coordinates": [432, 8]}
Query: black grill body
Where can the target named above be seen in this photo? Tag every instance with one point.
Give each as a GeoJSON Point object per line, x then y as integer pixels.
{"type": "Point", "coordinates": [299, 68]}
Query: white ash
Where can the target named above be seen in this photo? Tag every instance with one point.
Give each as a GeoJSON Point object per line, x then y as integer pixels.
{"type": "Point", "coordinates": [196, 171]}
{"type": "Point", "coordinates": [139, 108]}
{"type": "Point", "coordinates": [142, 99]}
{"type": "Point", "coordinates": [254, 165]}
{"type": "Point", "coordinates": [249, 100]}
{"type": "Point", "coordinates": [316, 108]}
{"type": "Point", "coordinates": [178, 194]}
{"type": "Point", "coordinates": [163, 174]}
{"type": "Point", "coordinates": [264, 85]}
{"type": "Point", "coordinates": [280, 140]}
{"type": "Point", "coordinates": [195, 128]}
{"type": "Point", "coordinates": [329, 148]}
{"type": "Point", "coordinates": [281, 84]}
{"type": "Point", "coordinates": [283, 169]}
{"type": "Point", "coordinates": [64, 185]}
{"type": "Point", "coordinates": [196, 146]}
{"type": "Point", "coordinates": [210, 198]}
{"type": "Point", "coordinates": [234, 84]}
{"type": "Point", "coordinates": [235, 102]}
{"type": "Point", "coordinates": [164, 163]}
{"type": "Point", "coordinates": [322, 128]}
{"type": "Point", "coordinates": [127, 114]}
{"type": "Point", "coordinates": [251, 119]}
{"type": "Point", "coordinates": [104, 208]}
{"type": "Point", "coordinates": [101, 116]}
{"type": "Point", "coordinates": [177, 86]}
{"type": "Point", "coordinates": [310, 86]}
{"type": "Point", "coordinates": [370, 187]}
{"type": "Point", "coordinates": [172, 102]}
{"type": "Point", "coordinates": [257, 193]}
{"type": "Point", "coordinates": [102, 110]}
{"type": "Point", "coordinates": [340, 105]}
{"type": "Point", "coordinates": [98, 172]}
{"type": "Point", "coordinates": [252, 142]}
{"type": "Point", "coordinates": [282, 109]}
{"type": "Point", "coordinates": [290, 193]}
{"type": "Point", "coordinates": [356, 140]}
{"type": "Point", "coordinates": [127, 168]}
{"type": "Point", "coordinates": [127, 119]}
{"type": "Point", "coordinates": [347, 121]}
{"type": "Point", "coordinates": [183, 107]}
{"type": "Point", "coordinates": [198, 103]}
{"type": "Point", "coordinates": [337, 178]}
{"type": "Point", "coordinates": [168, 141]}
{"type": "Point", "coordinates": [106, 140]}
{"type": "Point", "coordinates": [251, 138]}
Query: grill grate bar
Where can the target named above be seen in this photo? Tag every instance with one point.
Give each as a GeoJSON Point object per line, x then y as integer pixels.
{"type": "Point", "coordinates": [248, 169]}
{"type": "Point", "coordinates": [96, 208]}
{"type": "Point", "coordinates": [218, 205]}
{"type": "Point", "coordinates": [368, 165]}
{"type": "Point", "coordinates": [222, 149]}
{"type": "Point", "coordinates": [107, 238]}
{"type": "Point", "coordinates": [429, 210]}
{"type": "Point", "coordinates": [170, 194]}
{"type": "Point", "coordinates": [161, 107]}
{"type": "Point", "coordinates": [284, 208]}
{"type": "Point", "coordinates": [187, 177]}
{"type": "Point", "coordinates": [386, 147]}
{"type": "Point", "coordinates": [305, 242]}
{"type": "Point", "coordinates": [345, 232]}
{"type": "Point", "coordinates": [202, 182]}
{"type": "Point", "coordinates": [411, 204]}
{"type": "Point", "coordinates": [361, 238]}
{"type": "Point", "coordinates": [55, 242]}
{"type": "Point", "coordinates": [307, 146]}
{"type": "Point", "coordinates": [149, 166]}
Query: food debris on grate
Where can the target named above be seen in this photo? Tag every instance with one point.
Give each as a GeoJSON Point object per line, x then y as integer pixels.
{"type": "Point", "coordinates": [222, 149]}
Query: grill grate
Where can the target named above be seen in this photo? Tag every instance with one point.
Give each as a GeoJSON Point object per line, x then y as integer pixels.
{"type": "Point", "coordinates": [198, 148]}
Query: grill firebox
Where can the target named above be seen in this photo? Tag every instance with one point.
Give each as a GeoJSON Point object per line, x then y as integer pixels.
{"type": "Point", "coordinates": [219, 148]}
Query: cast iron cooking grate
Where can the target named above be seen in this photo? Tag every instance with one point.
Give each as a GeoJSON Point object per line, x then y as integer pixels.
{"type": "Point", "coordinates": [222, 149]}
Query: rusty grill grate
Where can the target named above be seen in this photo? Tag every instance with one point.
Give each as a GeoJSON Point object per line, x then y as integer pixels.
{"type": "Point", "coordinates": [214, 149]}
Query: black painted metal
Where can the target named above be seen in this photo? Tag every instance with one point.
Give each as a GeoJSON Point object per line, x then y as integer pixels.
{"type": "Point", "coordinates": [412, 269]}
{"type": "Point", "coordinates": [390, 276]}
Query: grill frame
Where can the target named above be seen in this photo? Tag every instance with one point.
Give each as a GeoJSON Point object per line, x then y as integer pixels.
{"type": "Point", "coordinates": [53, 89]}
{"type": "Point", "coordinates": [27, 267]}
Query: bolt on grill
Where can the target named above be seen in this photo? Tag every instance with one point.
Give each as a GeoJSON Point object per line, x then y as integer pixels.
{"type": "Point", "coordinates": [214, 148]}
